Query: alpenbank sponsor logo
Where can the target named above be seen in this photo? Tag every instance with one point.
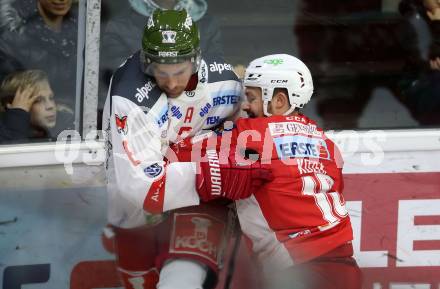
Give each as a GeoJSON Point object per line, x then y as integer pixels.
{"type": "Point", "coordinates": [219, 67]}
{"type": "Point", "coordinates": [142, 92]}
{"type": "Point", "coordinates": [205, 109]}
{"type": "Point", "coordinates": [175, 112]}
{"type": "Point", "coordinates": [286, 128]}
{"type": "Point", "coordinates": [300, 146]}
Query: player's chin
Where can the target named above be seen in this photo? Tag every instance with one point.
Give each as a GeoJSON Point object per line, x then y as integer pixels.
{"type": "Point", "coordinates": [172, 95]}
{"type": "Point", "coordinates": [251, 115]}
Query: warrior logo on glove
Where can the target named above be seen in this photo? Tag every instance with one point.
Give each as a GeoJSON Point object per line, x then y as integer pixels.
{"type": "Point", "coordinates": [229, 178]}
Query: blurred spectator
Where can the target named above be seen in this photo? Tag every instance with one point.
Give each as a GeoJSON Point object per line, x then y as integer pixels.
{"type": "Point", "coordinates": [352, 48]}
{"type": "Point", "coordinates": [41, 34]}
{"type": "Point", "coordinates": [355, 47]}
{"type": "Point", "coordinates": [420, 88]}
{"type": "Point", "coordinates": [28, 108]}
{"type": "Point", "coordinates": [122, 35]}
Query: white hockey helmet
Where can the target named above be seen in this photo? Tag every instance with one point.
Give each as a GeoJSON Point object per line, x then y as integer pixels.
{"type": "Point", "coordinates": [280, 71]}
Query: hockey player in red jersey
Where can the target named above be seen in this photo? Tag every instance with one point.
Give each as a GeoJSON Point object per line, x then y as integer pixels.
{"type": "Point", "coordinates": [297, 225]}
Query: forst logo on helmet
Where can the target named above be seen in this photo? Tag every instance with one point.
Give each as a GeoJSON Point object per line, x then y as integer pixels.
{"type": "Point", "coordinates": [275, 61]}
{"type": "Point", "coordinates": [168, 53]}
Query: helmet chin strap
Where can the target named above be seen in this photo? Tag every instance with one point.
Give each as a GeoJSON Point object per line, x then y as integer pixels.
{"type": "Point", "coordinates": [265, 108]}
{"type": "Point", "coordinates": [266, 99]}
{"type": "Point", "coordinates": [290, 110]}
{"type": "Point", "coordinates": [267, 94]}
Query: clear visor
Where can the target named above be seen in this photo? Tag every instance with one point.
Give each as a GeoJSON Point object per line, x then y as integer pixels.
{"type": "Point", "coordinates": [172, 65]}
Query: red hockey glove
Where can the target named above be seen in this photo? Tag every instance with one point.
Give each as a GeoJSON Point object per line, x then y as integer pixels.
{"type": "Point", "coordinates": [230, 179]}
{"type": "Point", "coordinates": [192, 148]}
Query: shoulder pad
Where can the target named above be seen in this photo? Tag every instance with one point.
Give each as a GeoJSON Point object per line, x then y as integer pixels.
{"type": "Point", "coordinates": [130, 82]}
{"type": "Point", "coordinates": [219, 70]}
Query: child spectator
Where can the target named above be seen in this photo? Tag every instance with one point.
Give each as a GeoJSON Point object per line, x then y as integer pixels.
{"type": "Point", "coordinates": [29, 108]}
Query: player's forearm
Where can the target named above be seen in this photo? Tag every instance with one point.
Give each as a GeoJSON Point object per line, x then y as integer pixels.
{"type": "Point", "coordinates": [176, 190]}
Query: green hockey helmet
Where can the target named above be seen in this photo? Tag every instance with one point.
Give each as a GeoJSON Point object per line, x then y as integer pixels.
{"type": "Point", "coordinates": [170, 37]}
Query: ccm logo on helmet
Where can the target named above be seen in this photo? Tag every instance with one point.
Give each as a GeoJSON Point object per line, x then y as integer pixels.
{"type": "Point", "coordinates": [214, 170]}
{"type": "Point", "coordinates": [219, 67]}
{"type": "Point", "coordinates": [278, 81]}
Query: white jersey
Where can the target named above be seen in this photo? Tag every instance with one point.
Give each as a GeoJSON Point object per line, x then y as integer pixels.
{"type": "Point", "coordinates": [140, 122]}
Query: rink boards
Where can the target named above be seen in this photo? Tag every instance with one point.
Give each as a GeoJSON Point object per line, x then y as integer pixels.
{"type": "Point", "coordinates": [50, 222]}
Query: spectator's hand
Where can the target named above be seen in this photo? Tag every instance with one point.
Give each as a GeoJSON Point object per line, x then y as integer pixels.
{"type": "Point", "coordinates": [434, 14]}
{"type": "Point", "coordinates": [24, 98]}
{"type": "Point", "coordinates": [435, 63]}
{"type": "Point", "coordinates": [433, 9]}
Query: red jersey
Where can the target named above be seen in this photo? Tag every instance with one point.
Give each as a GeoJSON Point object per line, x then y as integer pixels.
{"type": "Point", "coordinates": [301, 214]}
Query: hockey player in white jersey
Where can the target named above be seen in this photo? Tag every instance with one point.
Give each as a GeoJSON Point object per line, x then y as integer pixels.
{"type": "Point", "coordinates": [163, 93]}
